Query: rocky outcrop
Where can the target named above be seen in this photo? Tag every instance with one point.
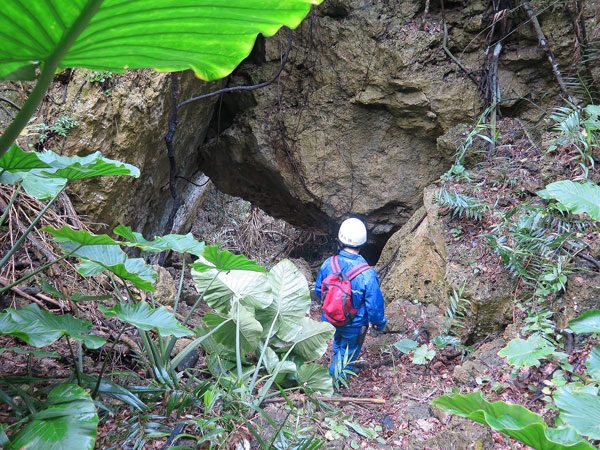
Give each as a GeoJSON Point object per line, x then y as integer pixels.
{"type": "Point", "coordinates": [421, 263]}
{"type": "Point", "coordinates": [126, 118]}
{"type": "Point", "coordinates": [354, 123]}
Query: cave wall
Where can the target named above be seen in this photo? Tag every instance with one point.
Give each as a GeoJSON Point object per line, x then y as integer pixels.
{"type": "Point", "coordinates": [368, 109]}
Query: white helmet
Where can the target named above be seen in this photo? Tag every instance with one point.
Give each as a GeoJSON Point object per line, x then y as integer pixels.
{"type": "Point", "coordinates": [353, 232]}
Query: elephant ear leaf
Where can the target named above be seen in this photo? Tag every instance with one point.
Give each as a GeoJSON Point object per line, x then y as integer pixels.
{"type": "Point", "coordinates": [224, 261]}
{"type": "Point", "coordinates": [142, 316]}
{"type": "Point", "coordinates": [588, 322]}
{"type": "Point", "coordinates": [68, 420]}
{"type": "Point", "coordinates": [177, 242]}
{"type": "Point", "coordinates": [315, 378]}
{"type": "Point", "coordinates": [311, 342]}
{"type": "Point", "coordinates": [40, 328]}
{"type": "Point", "coordinates": [211, 38]}
{"type": "Point", "coordinates": [512, 420]}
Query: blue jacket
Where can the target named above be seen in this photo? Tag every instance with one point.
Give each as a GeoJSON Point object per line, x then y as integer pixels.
{"type": "Point", "coordinates": [366, 295]}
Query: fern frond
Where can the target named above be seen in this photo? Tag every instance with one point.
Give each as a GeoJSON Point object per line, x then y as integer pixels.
{"type": "Point", "coordinates": [462, 205]}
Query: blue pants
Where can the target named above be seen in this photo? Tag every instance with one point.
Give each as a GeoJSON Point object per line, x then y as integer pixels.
{"type": "Point", "coordinates": [347, 339]}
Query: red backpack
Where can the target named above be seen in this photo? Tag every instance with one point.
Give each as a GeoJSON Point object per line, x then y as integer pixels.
{"type": "Point", "coordinates": [337, 293]}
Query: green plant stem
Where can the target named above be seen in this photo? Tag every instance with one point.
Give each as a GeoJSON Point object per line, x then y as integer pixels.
{"type": "Point", "coordinates": [28, 230]}
{"type": "Point", "coordinates": [192, 345]}
{"type": "Point", "coordinates": [77, 372]}
{"type": "Point", "coordinates": [238, 351]}
{"type": "Point", "coordinates": [117, 290]}
{"type": "Point", "coordinates": [41, 269]}
{"type": "Point", "coordinates": [269, 383]}
{"type": "Point", "coordinates": [10, 203]}
{"type": "Point", "coordinates": [106, 358]}
{"type": "Point", "coordinates": [262, 354]}
{"type": "Point", "coordinates": [178, 296]}
{"type": "Point", "coordinates": [146, 343]}
{"type": "Point", "coordinates": [185, 321]}
{"type": "Point", "coordinates": [50, 64]}
{"type": "Point", "coordinates": [510, 443]}
{"type": "Point", "coordinates": [171, 345]}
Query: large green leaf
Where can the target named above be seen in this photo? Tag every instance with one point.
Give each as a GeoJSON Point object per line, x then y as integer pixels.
{"type": "Point", "coordinates": [512, 420]}
{"type": "Point", "coordinates": [83, 237]}
{"type": "Point", "coordinates": [142, 316]}
{"type": "Point", "coordinates": [593, 363]}
{"type": "Point", "coordinates": [80, 167]}
{"type": "Point", "coordinates": [211, 38]}
{"type": "Point", "coordinates": [316, 378]}
{"type": "Point", "coordinates": [40, 328]}
{"type": "Point", "coordinates": [224, 261]}
{"type": "Point", "coordinates": [101, 253]}
{"type": "Point", "coordinates": [291, 301]}
{"type": "Point", "coordinates": [588, 322]}
{"type": "Point", "coordinates": [35, 184]}
{"type": "Point", "coordinates": [580, 409]}
{"type": "Point", "coordinates": [250, 288]}
{"type": "Point", "coordinates": [406, 345]}
{"type": "Point", "coordinates": [311, 342]}
{"type": "Point", "coordinates": [272, 360]}
{"type": "Point", "coordinates": [577, 197]}
{"type": "Point", "coordinates": [135, 270]}
{"type": "Point", "coordinates": [250, 329]}
{"type": "Point", "coordinates": [44, 174]}
{"type": "Point", "coordinates": [527, 353]}
{"type": "Point", "coordinates": [176, 242]}
{"type": "Point", "coordinates": [68, 421]}
{"type": "Point", "coordinates": [16, 160]}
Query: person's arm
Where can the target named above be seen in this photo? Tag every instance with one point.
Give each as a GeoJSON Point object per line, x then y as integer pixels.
{"type": "Point", "coordinates": [319, 283]}
{"type": "Point", "coordinates": [374, 302]}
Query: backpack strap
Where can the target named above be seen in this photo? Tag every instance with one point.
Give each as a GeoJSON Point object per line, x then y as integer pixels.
{"type": "Point", "coordinates": [335, 264]}
{"type": "Point", "coordinates": [357, 270]}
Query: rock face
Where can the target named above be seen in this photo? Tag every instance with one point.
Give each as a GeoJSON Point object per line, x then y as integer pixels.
{"type": "Point", "coordinates": [421, 264]}
{"type": "Point", "coordinates": [126, 118]}
{"type": "Point", "coordinates": [353, 125]}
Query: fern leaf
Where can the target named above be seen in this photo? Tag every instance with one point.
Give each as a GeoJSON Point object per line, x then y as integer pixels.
{"type": "Point", "coordinates": [577, 197]}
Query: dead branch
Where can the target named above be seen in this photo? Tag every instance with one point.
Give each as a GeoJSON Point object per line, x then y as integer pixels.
{"type": "Point", "coordinates": [544, 44]}
{"type": "Point", "coordinates": [379, 401]}
{"type": "Point", "coordinates": [31, 298]}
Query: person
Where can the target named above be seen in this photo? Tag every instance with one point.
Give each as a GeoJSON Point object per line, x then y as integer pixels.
{"type": "Point", "coordinates": [366, 294]}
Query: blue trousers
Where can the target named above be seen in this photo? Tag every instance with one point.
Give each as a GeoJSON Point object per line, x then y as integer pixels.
{"type": "Point", "coordinates": [350, 340]}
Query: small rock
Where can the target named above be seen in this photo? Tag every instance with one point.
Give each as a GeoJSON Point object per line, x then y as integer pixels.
{"type": "Point", "coordinates": [387, 424]}
{"type": "Point", "coordinates": [165, 290]}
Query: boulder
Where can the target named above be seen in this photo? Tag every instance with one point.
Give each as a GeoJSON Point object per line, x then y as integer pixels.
{"type": "Point", "coordinates": [423, 264]}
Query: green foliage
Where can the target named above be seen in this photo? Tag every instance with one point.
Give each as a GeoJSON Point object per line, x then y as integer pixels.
{"type": "Point", "coordinates": [175, 242]}
{"type": "Point", "coordinates": [315, 378]}
{"type": "Point", "coordinates": [579, 128]}
{"type": "Point", "coordinates": [512, 420]}
{"type": "Point", "coordinates": [580, 409]}
{"type": "Point", "coordinates": [98, 77]}
{"type": "Point", "coordinates": [121, 35]}
{"type": "Point", "coordinates": [40, 328]}
{"type": "Point", "coordinates": [461, 205]}
{"type": "Point", "coordinates": [142, 316]}
{"type": "Point", "coordinates": [44, 175]}
{"type": "Point", "coordinates": [576, 197]}
{"type": "Point", "coordinates": [456, 312]}
{"type": "Point", "coordinates": [59, 127]}
{"type": "Point", "coordinates": [406, 345]}
{"type": "Point", "coordinates": [67, 421]}
{"type": "Point", "coordinates": [588, 322]}
{"type": "Point", "coordinates": [422, 355]}
{"type": "Point", "coordinates": [527, 353]}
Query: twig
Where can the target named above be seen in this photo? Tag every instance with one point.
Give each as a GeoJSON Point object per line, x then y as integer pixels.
{"type": "Point", "coordinates": [11, 103]}
{"type": "Point", "coordinates": [379, 401]}
{"type": "Point", "coordinates": [449, 53]}
{"type": "Point", "coordinates": [544, 44]}
{"type": "Point", "coordinates": [31, 298]}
